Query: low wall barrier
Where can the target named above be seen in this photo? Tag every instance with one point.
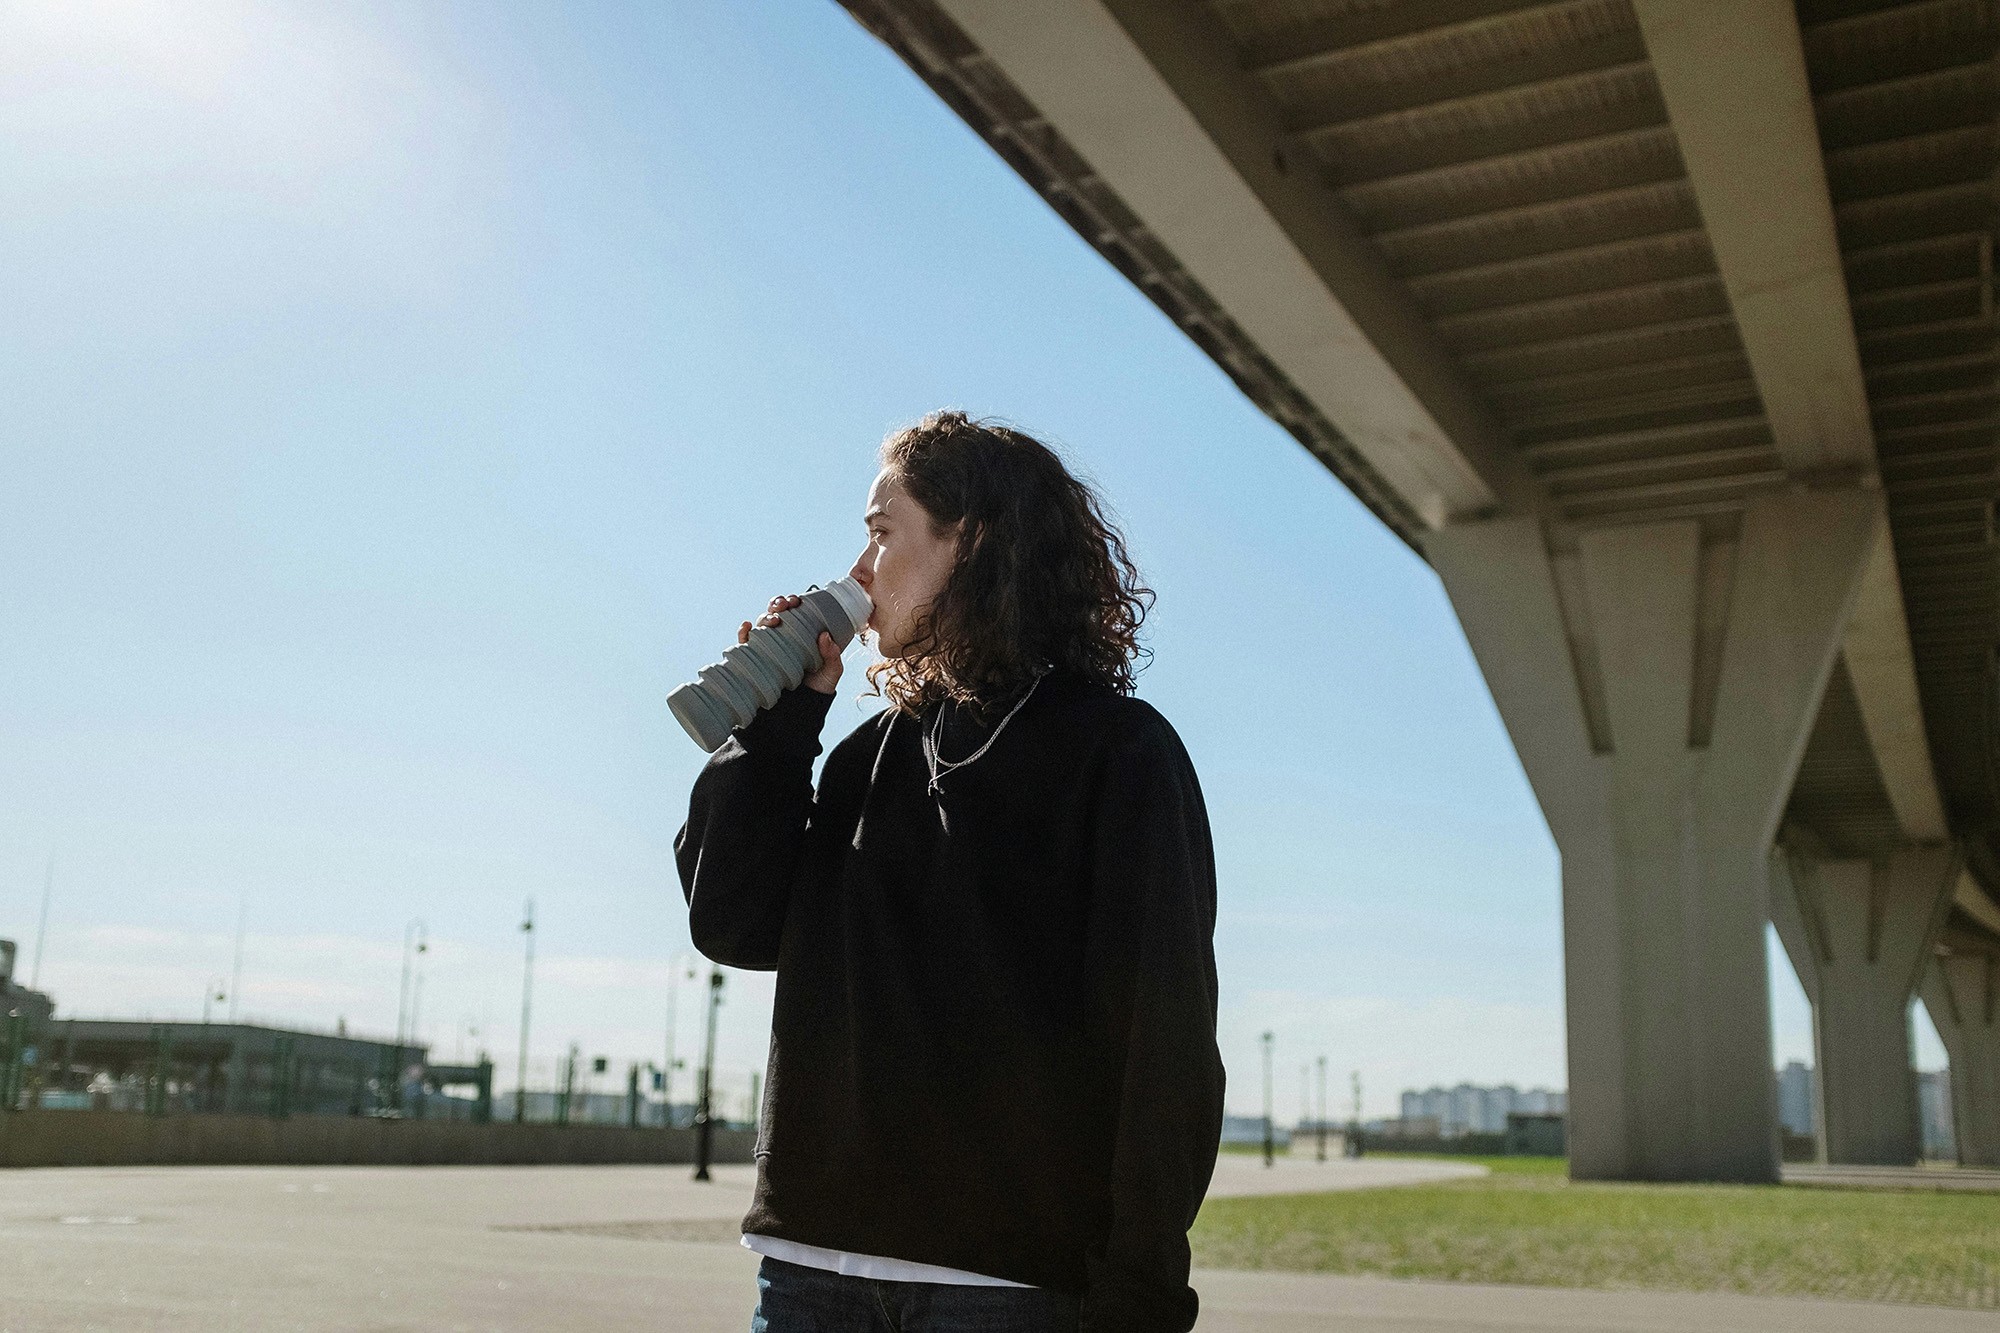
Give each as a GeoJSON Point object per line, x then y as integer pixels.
{"type": "Point", "coordinates": [126, 1138]}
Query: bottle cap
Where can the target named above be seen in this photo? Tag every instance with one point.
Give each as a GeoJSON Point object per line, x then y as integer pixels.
{"type": "Point", "coordinates": [853, 599]}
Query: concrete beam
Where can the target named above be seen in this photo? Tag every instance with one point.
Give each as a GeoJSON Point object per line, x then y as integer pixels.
{"type": "Point", "coordinates": [1733, 78]}
{"type": "Point", "coordinates": [1859, 934]}
{"type": "Point", "coordinates": [1152, 95]}
{"type": "Point", "coordinates": [1883, 669]}
{"type": "Point", "coordinates": [1975, 902]}
{"type": "Point", "coordinates": [1665, 807]}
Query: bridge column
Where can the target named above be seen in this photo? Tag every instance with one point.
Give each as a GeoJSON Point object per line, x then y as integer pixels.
{"type": "Point", "coordinates": [1859, 933]}
{"type": "Point", "coordinates": [1659, 680]}
{"type": "Point", "coordinates": [1961, 991]}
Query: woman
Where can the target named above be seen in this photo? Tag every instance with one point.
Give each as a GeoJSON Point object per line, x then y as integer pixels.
{"type": "Point", "coordinates": [994, 1096]}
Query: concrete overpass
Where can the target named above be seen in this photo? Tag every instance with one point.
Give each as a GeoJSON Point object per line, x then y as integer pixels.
{"type": "Point", "coordinates": [1663, 330]}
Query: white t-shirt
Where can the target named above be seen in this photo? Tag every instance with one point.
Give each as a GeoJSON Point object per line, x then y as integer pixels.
{"type": "Point", "coordinates": [867, 1265]}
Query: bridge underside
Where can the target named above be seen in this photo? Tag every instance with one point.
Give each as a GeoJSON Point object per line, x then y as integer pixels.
{"type": "Point", "coordinates": [1664, 331]}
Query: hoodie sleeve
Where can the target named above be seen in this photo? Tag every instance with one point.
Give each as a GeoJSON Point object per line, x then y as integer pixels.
{"type": "Point", "coordinates": [739, 851]}
{"type": "Point", "coordinates": [1152, 952]}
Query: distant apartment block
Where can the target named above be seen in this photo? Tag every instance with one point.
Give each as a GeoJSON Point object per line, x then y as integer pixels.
{"type": "Point", "coordinates": [1795, 1099]}
{"type": "Point", "coordinates": [1467, 1109]}
{"type": "Point", "coordinates": [1934, 1115]}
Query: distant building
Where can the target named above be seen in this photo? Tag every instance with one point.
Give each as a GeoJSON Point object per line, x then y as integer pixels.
{"type": "Point", "coordinates": [133, 1064]}
{"type": "Point", "coordinates": [1469, 1109]}
{"type": "Point", "coordinates": [1934, 1115]}
{"type": "Point", "coordinates": [1795, 1099]}
{"type": "Point", "coordinates": [598, 1108]}
{"type": "Point", "coordinates": [143, 1064]}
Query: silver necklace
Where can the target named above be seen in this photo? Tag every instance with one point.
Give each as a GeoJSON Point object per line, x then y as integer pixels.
{"type": "Point", "coordinates": [939, 765]}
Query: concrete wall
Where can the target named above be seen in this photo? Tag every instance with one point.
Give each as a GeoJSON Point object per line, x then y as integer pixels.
{"type": "Point", "coordinates": [118, 1138]}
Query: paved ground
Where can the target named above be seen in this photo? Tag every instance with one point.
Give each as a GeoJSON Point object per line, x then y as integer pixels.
{"type": "Point", "coordinates": [1245, 1173]}
{"type": "Point", "coordinates": [641, 1248]}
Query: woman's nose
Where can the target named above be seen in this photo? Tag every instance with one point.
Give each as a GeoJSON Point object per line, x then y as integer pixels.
{"type": "Point", "coordinates": [861, 573]}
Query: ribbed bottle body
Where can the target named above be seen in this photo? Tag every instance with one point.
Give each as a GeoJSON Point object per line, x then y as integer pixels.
{"type": "Point", "coordinates": [750, 676]}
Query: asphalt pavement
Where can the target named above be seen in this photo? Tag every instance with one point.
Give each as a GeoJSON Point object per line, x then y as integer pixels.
{"type": "Point", "coordinates": [220, 1249]}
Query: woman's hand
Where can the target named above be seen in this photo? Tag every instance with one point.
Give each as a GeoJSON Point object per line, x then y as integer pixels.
{"type": "Point", "coordinates": [827, 679]}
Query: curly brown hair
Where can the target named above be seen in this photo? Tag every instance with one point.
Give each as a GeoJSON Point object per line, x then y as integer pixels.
{"type": "Point", "coordinates": [1042, 577]}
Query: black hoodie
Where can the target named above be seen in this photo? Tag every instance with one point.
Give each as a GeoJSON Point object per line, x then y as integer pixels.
{"type": "Point", "coordinates": [993, 1043]}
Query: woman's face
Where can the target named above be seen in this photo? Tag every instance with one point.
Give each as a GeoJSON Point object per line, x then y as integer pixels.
{"type": "Point", "coordinates": [905, 564]}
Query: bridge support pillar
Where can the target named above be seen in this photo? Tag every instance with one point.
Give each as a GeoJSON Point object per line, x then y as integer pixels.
{"type": "Point", "coordinates": [1659, 680]}
{"type": "Point", "coordinates": [1859, 934]}
{"type": "Point", "coordinates": [1962, 992]}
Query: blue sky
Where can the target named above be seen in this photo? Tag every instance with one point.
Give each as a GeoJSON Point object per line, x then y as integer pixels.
{"type": "Point", "coordinates": [402, 399]}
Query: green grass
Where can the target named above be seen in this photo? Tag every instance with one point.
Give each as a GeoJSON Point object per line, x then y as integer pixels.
{"type": "Point", "coordinates": [1527, 1224]}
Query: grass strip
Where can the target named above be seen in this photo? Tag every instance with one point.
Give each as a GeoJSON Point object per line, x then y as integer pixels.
{"type": "Point", "coordinates": [1527, 1224]}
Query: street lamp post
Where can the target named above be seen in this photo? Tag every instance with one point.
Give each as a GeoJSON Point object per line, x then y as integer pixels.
{"type": "Point", "coordinates": [1270, 1145]}
{"type": "Point", "coordinates": [413, 943]}
{"type": "Point", "coordinates": [1305, 1100]}
{"type": "Point", "coordinates": [417, 1052]}
{"type": "Point", "coordinates": [527, 995]}
{"type": "Point", "coordinates": [704, 1118]}
{"type": "Point", "coordinates": [1320, 1120]}
{"type": "Point", "coordinates": [674, 966]}
{"type": "Point", "coordinates": [236, 968]}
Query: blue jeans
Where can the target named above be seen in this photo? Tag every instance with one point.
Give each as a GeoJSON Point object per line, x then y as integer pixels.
{"type": "Point", "coordinates": [792, 1298]}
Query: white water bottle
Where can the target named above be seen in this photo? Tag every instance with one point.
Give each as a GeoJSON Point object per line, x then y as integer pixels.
{"type": "Point", "coordinates": [752, 675]}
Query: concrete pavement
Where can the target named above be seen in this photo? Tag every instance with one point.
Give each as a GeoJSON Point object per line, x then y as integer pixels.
{"type": "Point", "coordinates": [1245, 1173]}
{"type": "Point", "coordinates": [221, 1249]}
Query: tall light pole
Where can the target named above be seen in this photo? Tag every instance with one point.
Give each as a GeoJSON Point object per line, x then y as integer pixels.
{"type": "Point", "coordinates": [674, 966]}
{"type": "Point", "coordinates": [416, 1007]}
{"type": "Point", "coordinates": [1355, 1124]}
{"type": "Point", "coordinates": [413, 943]}
{"type": "Point", "coordinates": [1320, 1119]}
{"type": "Point", "coordinates": [42, 930]}
{"type": "Point", "coordinates": [1270, 1146]}
{"type": "Point", "coordinates": [236, 968]}
{"type": "Point", "coordinates": [527, 996]}
{"type": "Point", "coordinates": [704, 1116]}
{"type": "Point", "coordinates": [214, 994]}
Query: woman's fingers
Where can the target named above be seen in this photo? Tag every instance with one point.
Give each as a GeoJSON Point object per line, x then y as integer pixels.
{"type": "Point", "coordinates": [770, 619]}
